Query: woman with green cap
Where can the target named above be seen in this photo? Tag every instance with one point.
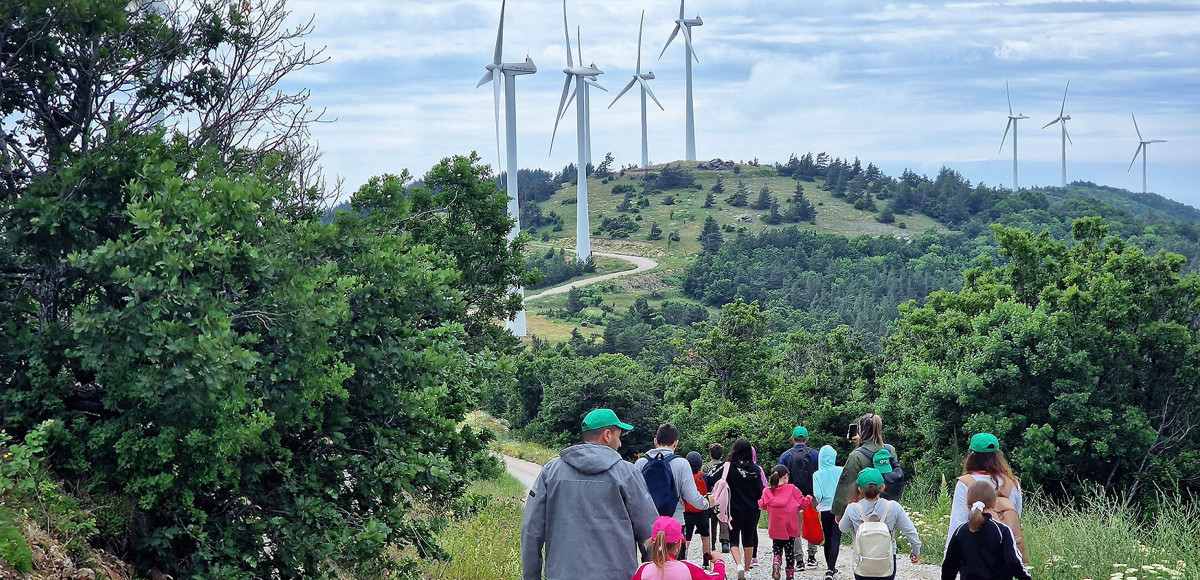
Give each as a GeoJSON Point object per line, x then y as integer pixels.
{"type": "Point", "coordinates": [985, 462]}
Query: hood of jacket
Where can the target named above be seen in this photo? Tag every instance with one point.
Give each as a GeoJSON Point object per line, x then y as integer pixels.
{"type": "Point", "coordinates": [780, 497]}
{"type": "Point", "coordinates": [590, 458]}
{"type": "Point", "coordinates": [827, 474]}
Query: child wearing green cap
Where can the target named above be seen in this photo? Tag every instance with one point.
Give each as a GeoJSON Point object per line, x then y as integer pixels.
{"type": "Point", "coordinates": [985, 462]}
{"type": "Point", "coordinates": [865, 515]}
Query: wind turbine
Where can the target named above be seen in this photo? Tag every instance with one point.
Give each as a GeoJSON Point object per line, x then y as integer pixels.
{"type": "Point", "coordinates": [640, 78]}
{"type": "Point", "coordinates": [1062, 118]}
{"type": "Point", "coordinates": [1142, 143]}
{"type": "Point", "coordinates": [685, 25]}
{"type": "Point", "coordinates": [1012, 123]}
{"type": "Point", "coordinates": [506, 73]}
{"type": "Point", "coordinates": [583, 76]}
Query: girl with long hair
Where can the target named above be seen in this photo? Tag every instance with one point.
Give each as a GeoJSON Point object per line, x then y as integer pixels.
{"type": "Point", "coordinates": [665, 540]}
{"type": "Point", "coordinates": [983, 548]}
{"type": "Point", "coordinates": [783, 502]}
{"type": "Point", "coordinates": [985, 462]}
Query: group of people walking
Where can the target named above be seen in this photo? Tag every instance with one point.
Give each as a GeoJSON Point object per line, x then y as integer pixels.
{"type": "Point", "coordinates": [588, 509]}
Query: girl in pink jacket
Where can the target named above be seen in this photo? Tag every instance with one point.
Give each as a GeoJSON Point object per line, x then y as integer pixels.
{"type": "Point", "coordinates": [664, 542]}
{"type": "Point", "coordinates": [783, 502]}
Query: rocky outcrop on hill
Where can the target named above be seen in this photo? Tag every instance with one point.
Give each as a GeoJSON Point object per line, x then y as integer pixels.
{"type": "Point", "coordinates": [716, 165]}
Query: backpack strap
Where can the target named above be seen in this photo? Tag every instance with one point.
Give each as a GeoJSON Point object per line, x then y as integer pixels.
{"type": "Point", "coordinates": [725, 473]}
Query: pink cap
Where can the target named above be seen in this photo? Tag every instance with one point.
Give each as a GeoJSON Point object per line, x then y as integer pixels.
{"type": "Point", "coordinates": [671, 526]}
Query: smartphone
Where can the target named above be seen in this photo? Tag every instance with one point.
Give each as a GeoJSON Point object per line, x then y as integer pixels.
{"type": "Point", "coordinates": [852, 431]}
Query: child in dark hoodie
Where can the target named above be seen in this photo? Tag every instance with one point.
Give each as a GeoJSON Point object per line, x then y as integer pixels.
{"type": "Point", "coordinates": [783, 501]}
{"type": "Point", "coordinates": [983, 548]}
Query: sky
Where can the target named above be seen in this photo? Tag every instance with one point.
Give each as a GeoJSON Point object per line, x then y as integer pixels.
{"type": "Point", "coordinates": [916, 85]}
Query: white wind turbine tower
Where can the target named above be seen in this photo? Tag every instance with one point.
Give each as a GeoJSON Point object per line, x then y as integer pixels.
{"type": "Point", "coordinates": [582, 76]}
{"type": "Point", "coordinates": [1062, 118]}
{"type": "Point", "coordinates": [1012, 124]}
{"type": "Point", "coordinates": [506, 72]}
{"type": "Point", "coordinates": [587, 99]}
{"type": "Point", "coordinates": [1142, 143]}
{"type": "Point", "coordinates": [641, 78]}
{"type": "Point", "coordinates": [685, 25]}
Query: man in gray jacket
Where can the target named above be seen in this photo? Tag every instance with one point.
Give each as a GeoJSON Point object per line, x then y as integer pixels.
{"type": "Point", "coordinates": [588, 509]}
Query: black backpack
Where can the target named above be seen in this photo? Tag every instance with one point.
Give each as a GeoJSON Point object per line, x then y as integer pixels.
{"type": "Point", "coordinates": [894, 480]}
{"type": "Point", "coordinates": [660, 482]}
{"type": "Point", "coordinates": [801, 467]}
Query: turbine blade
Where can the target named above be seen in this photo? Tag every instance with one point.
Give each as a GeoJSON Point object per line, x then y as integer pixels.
{"type": "Point", "coordinates": [1135, 127]}
{"type": "Point", "coordinates": [485, 79]}
{"type": "Point", "coordinates": [646, 87]}
{"type": "Point", "coordinates": [561, 107]}
{"type": "Point", "coordinates": [1064, 105]}
{"type": "Point", "coordinates": [1009, 94]}
{"type": "Point", "coordinates": [623, 91]}
{"type": "Point", "coordinates": [1135, 156]}
{"type": "Point", "coordinates": [1067, 133]}
{"type": "Point", "coordinates": [567, 35]}
{"type": "Point", "coordinates": [640, 27]}
{"type": "Point", "coordinates": [687, 38]}
{"type": "Point", "coordinates": [497, 75]}
{"type": "Point", "coordinates": [1051, 122]}
{"type": "Point", "coordinates": [579, 42]}
{"type": "Point", "coordinates": [1006, 128]}
{"type": "Point", "coordinates": [681, 9]}
{"type": "Point", "coordinates": [592, 82]}
{"type": "Point", "coordinates": [570, 101]}
{"type": "Point", "coordinates": [673, 33]}
{"type": "Point", "coordinates": [500, 35]}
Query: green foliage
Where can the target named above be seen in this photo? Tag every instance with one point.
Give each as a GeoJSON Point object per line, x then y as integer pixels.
{"type": "Point", "coordinates": [555, 268]}
{"type": "Point", "coordinates": [1049, 349]}
{"type": "Point", "coordinates": [617, 227]}
{"type": "Point", "coordinates": [14, 550]}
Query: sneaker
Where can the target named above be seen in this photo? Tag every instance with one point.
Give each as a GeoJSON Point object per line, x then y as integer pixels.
{"type": "Point", "coordinates": [812, 560]}
{"type": "Point", "coordinates": [831, 575]}
{"type": "Point", "coordinates": [753, 563]}
{"type": "Point", "coordinates": [724, 546]}
{"type": "Point", "coordinates": [791, 574]}
{"type": "Point", "coordinates": [741, 573]}
{"type": "Point", "coordinates": [775, 567]}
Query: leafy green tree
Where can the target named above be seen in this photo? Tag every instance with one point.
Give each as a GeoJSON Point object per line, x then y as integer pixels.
{"type": "Point", "coordinates": [710, 236]}
{"type": "Point", "coordinates": [655, 232]}
{"type": "Point", "coordinates": [1052, 350]}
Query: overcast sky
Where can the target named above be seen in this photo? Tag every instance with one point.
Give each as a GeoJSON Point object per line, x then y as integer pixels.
{"type": "Point", "coordinates": [917, 85]}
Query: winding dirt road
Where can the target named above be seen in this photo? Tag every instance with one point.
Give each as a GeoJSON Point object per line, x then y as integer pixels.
{"type": "Point", "coordinates": [641, 265]}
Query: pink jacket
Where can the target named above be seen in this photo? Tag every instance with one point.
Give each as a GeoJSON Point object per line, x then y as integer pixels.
{"type": "Point", "coordinates": [783, 505]}
{"type": "Point", "coordinates": [676, 570]}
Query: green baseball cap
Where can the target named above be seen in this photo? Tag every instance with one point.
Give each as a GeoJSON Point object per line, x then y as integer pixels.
{"type": "Point", "coordinates": [799, 433]}
{"type": "Point", "coordinates": [603, 418]}
{"type": "Point", "coordinates": [868, 476]}
{"type": "Point", "coordinates": [984, 443]}
{"type": "Point", "coordinates": [882, 461]}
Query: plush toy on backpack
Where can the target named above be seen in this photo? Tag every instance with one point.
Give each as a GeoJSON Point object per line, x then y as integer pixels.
{"type": "Point", "coordinates": [874, 522]}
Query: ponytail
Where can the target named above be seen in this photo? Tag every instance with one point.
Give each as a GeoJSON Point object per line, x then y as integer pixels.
{"type": "Point", "coordinates": [980, 496]}
{"type": "Point", "coordinates": [660, 549]}
{"type": "Point", "coordinates": [778, 473]}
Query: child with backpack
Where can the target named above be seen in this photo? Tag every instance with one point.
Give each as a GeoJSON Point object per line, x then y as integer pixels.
{"type": "Point", "coordinates": [874, 521]}
{"type": "Point", "coordinates": [694, 518]}
{"type": "Point", "coordinates": [983, 548]}
{"type": "Point", "coordinates": [666, 538]}
{"type": "Point", "coordinates": [783, 502]}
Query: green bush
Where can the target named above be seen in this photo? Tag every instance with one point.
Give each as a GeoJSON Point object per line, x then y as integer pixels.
{"type": "Point", "coordinates": [14, 551]}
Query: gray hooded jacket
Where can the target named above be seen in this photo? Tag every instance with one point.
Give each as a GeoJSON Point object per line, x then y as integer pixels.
{"type": "Point", "coordinates": [588, 508]}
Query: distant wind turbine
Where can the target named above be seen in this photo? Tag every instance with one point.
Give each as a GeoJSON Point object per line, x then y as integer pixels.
{"type": "Point", "coordinates": [1063, 118]}
{"type": "Point", "coordinates": [583, 76]}
{"type": "Point", "coordinates": [1142, 143]}
{"type": "Point", "coordinates": [685, 25]}
{"type": "Point", "coordinates": [587, 99]}
{"type": "Point", "coordinates": [640, 78]}
{"type": "Point", "coordinates": [1012, 124]}
{"type": "Point", "coordinates": [502, 72]}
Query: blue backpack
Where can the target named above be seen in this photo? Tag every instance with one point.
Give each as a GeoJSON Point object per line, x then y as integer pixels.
{"type": "Point", "coordinates": [660, 482]}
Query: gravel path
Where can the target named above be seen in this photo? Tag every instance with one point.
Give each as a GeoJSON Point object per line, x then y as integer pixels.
{"type": "Point", "coordinates": [526, 472]}
{"type": "Point", "coordinates": [642, 265]}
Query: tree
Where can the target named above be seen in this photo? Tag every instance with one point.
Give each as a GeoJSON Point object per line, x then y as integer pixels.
{"type": "Point", "coordinates": [655, 232]}
{"type": "Point", "coordinates": [709, 200]}
{"type": "Point", "coordinates": [710, 236]}
{"type": "Point", "coordinates": [719, 186]}
{"type": "Point", "coordinates": [774, 218]}
{"type": "Point", "coordinates": [575, 303]}
{"type": "Point", "coordinates": [799, 208]}
{"type": "Point", "coordinates": [764, 199]}
{"type": "Point", "coordinates": [1042, 350]}
{"type": "Point", "coordinates": [605, 168]}
{"type": "Point", "coordinates": [740, 197]}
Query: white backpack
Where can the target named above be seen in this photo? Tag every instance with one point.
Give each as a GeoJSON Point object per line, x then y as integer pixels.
{"type": "Point", "coordinates": [873, 555]}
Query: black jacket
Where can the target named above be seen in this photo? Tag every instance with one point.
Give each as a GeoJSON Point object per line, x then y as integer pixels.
{"type": "Point", "coordinates": [745, 487]}
{"type": "Point", "coordinates": [989, 554]}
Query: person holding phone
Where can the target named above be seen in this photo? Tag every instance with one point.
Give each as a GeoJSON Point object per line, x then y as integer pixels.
{"type": "Point", "coordinates": [870, 437]}
{"type": "Point", "coordinates": [852, 434]}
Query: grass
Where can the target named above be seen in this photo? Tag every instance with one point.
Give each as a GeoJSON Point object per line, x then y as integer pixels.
{"type": "Point", "coordinates": [528, 451]}
{"type": "Point", "coordinates": [487, 543]}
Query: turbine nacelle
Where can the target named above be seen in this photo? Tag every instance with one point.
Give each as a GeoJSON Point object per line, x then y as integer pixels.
{"type": "Point", "coordinates": [1017, 117]}
{"type": "Point", "coordinates": [519, 68]}
{"type": "Point", "coordinates": [646, 76]}
{"type": "Point", "coordinates": [697, 21]}
{"type": "Point", "coordinates": [583, 71]}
